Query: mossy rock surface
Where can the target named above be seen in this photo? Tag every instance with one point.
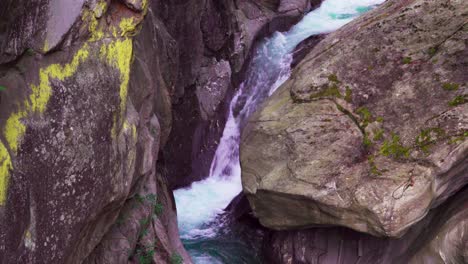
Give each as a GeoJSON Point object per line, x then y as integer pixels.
{"type": "Point", "coordinates": [393, 145]}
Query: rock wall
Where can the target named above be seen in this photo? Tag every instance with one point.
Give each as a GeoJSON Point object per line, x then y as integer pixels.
{"type": "Point", "coordinates": [85, 107]}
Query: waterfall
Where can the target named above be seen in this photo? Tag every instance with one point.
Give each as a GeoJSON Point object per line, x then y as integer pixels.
{"type": "Point", "coordinates": [198, 205]}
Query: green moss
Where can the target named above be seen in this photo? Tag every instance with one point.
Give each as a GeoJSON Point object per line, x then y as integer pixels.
{"type": "Point", "coordinates": [365, 114]}
{"type": "Point", "coordinates": [458, 100]}
{"type": "Point", "coordinates": [406, 60]}
{"type": "Point", "coordinates": [394, 148]}
{"type": "Point", "coordinates": [158, 208]}
{"type": "Point", "coordinates": [379, 119]}
{"type": "Point", "coordinates": [176, 258]}
{"type": "Point", "coordinates": [140, 199]}
{"type": "Point", "coordinates": [30, 52]}
{"type": "Point", "coordinates": [432, 51]}
{"type": "Point", "coordinates": [450, 86]}
{"type": "Point", "coordinates": [348, 94]}
{"type": "Point", "coordinates": [459, 138]}
{"type": "Point", "coordinates": [427, 137]}
{"type": "Point", "coordinates": [367, 142]}
{"type": "Point", "coordinates": [2, 88]}
{"type": "Point", "coordinates": [333, 78]}
{"type": "Point", "coordinates": [331, 91]}
{"type": "Point", "coordinates": [373, 167]}
{"type": "Point", "coordinates": [145, 254]}
{"type": "Point", "coordinates": [378, 135]}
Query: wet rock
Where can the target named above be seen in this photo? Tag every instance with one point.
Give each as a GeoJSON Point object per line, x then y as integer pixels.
{"type": "Point", "coordinates": [214, 40]}
{"type": "Point", "coordinates": [368, 132]}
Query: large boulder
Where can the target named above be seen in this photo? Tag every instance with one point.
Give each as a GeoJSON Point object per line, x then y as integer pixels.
{"type": "Point", "coordinates": [83, 111]}
{"type": "Point", "coordinates": [370, 132]}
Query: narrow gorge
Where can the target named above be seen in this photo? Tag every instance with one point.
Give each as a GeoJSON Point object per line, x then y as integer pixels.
{"type": "Point", "coordinates": [234, 131]}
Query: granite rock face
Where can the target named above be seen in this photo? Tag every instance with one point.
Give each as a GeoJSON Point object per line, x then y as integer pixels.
{"type": "Point", "coordinates": [85, 107]}
{"type": "Point", "coordinates": [370, 132]}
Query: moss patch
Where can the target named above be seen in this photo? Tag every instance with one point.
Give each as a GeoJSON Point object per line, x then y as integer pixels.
{"type": "Point", "coordinates": [450, 86]}
{"type": "Point", "coordinates": [406, 60]}
{"type": "Point", "coordinates": [394, 148]}
{"type": "Point", "coordinates": [330, 91]}
{"type": "Point", "coordinates": [333, 78]}
{"type": "Point", "coordinates": [378, 135]}
{"type": "Point", "coordinates": [428, 137]}
{"type": "Point", "coordinates": [432, 51]}
{"type": "Point", "coordinates": [458, 100]}
{"type": "Point", "coordinates": [348, 94]}
{"type": "Point", "coordinates": [366, 116]}
{"type": "Point", "coordinates": [459, 138]}
{"type": "Point", "coordinates": [374, 170]}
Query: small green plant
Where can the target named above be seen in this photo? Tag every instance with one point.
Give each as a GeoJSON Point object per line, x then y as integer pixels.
{"type": "Point", "coordinates": [2, 88]}
{"type": "Point", "coordinates": [450, 86]}
{"type": "Point", "coordinates": [145, 255]}
{"type": "Point", "coordinates": [432, 51]}
{"type": "Point", "coordinates": [348, 94]}
{"type": "Point", "coordinates": [330, 91]}
{"type": "Point", "coordinates": [406, 60]}
{"type": "Point", "coordinates": [365, 114]}
{"type": "Point", "coordinates": [373, 168]}
{"type": "Point", "coordinates": [394, 148]}
{"type": "Point", "coordinates": [427, 137]}
{"type": "Point", "coordinates": [458, 138]}
{"type": "Point", "coordinates": [458, 100]}
{"type": "Point", "coordinates": [367, 142]}
{"type": "Point", "coordinates": [139, 198]}
{"type": "Point", "coordinates": [176, 258]}
{"type": "Point", "coordinates": [158, 208]}
{"type": "Point", "coordinates": [29, 52]}
{"type": "Point", "coordinates": [379, 119]}
{"type": "Point", "coordinates": [144, 221]}
{"type": "Point", "coordinates": [333, 78]}
{"type": "Point", "coordinates": [378, 135]}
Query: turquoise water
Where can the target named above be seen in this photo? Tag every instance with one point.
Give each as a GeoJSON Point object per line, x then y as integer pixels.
{"type": "Point", "coordinates": [208, 240]}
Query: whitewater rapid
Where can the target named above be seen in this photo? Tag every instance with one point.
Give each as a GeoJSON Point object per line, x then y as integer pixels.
{"type": "Point", "coordinates": [199, 205]}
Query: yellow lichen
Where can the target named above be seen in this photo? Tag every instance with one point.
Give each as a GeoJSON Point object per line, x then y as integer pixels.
{"type": "Point", "coordinates": [119, 54]}
{"type": "Point", "coordinates": [93, 25]}
{"type": "Point", "coordinates": [100, 8]}
{"type": "Point", "coordinates": [42, 92]}
{"type": "Point", "coordinates": [134, 132]}
{"type": "Point", "coordinates": [36, 103]}
{"type": "Point", "coordinates": [46, 46]}
{"type": "Point", "coordinates": [5, 166]}
{"type": "Point", "coordinates": [127, 26]}
{"type": "Point", "coordinates": [14, 129]}
{"type": "Point", "coordinates": [145, 7]}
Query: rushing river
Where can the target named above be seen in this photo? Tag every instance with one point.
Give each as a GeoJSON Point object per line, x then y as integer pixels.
{"type": "Point", "coordinates": [199, 205]}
